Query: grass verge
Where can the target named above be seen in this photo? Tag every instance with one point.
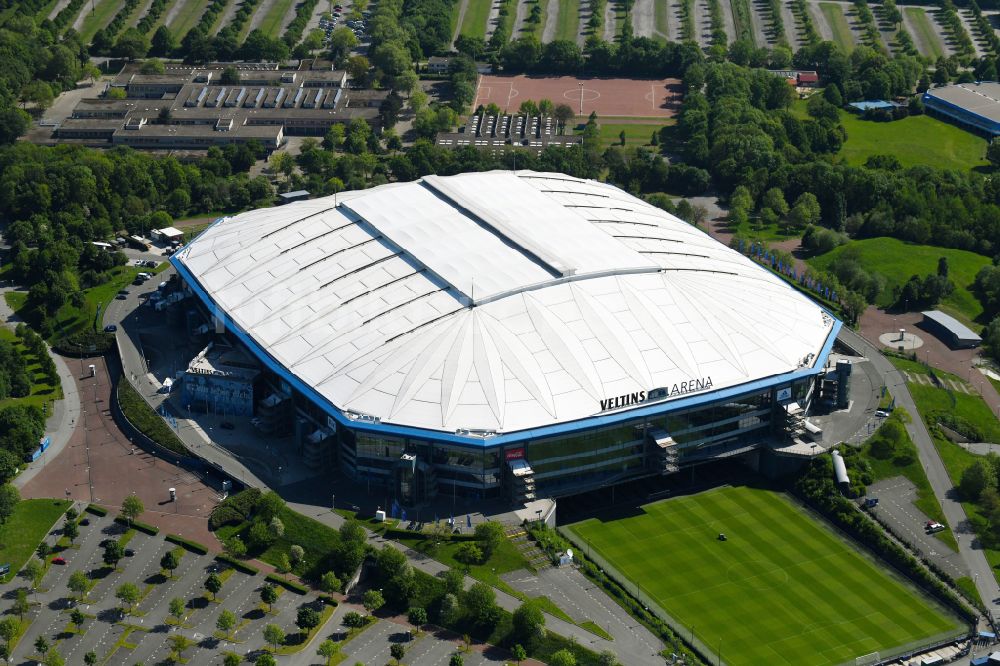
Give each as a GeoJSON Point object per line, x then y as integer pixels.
{"type": "Point", "coordinates": [568, 20]}
{"type": "Point", "coordinates": [24, 530]}
{"type": "Point", "coordinates": [142, 416]}
{"type": "Point", "coordinates": [928, 42]}
{"type": "Point", "coordinates": [834, 16]}
{"type": "Point", "coordinates": [477, 15]}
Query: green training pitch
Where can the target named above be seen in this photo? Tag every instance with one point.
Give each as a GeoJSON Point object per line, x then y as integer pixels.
{"type": "Point", "coordinates": [782, 589]}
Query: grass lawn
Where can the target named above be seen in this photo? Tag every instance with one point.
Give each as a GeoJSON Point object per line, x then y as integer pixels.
{"type": "Point", "coordinates": [477, 15]}
{"type": "Point", "coordinates": [834, 16]}
{"type": "Point", "coordinates": [769, 593]}
{"type": "Point", "coordinates": [46, 9]}
{"type": "Point", "coordinates": [897, 261]}
{"type": "Point", "coordinates": [927, 40]}
{"type": "Point", "coordinates": [972, 408]}
{"type": "Point", "coordinates": [636, 134]}
{"type": "Point", "coordinates": [23, 531]}
{"type": "Point", "coordinates": [43, 394]}
{"type": "Point", "coordinates": [187, 18]}
{"type": "Point", "coordinates": [100, 17]}
{"type": "Point", "coordinates": [317, 539]}
{"type": "Point", "coordinates": [913, 140]}
{"type": "Point", "coordinates": [568, 20]}
{"type": "Point", "coordinates": [536, 29]}
{"type": "Point", "coordinates": [506, 558]}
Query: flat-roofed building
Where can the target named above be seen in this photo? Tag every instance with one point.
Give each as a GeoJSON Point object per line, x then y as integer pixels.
{"type": "Point", "coordinates": [975, 105]}
{"type": "Point", "coordinates": [953, 332]}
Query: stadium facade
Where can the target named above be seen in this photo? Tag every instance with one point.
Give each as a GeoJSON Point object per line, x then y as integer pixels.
{"type": "Point", "coordinates": [506, 334]}
{"type": "Point", "coordinates": [974, 105]}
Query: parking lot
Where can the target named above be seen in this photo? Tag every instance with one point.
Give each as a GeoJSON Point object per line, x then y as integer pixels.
{"type": "Point", "coordinates": [142, 635]}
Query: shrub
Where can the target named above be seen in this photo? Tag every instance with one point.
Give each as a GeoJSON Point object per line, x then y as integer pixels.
{"type": "Point", "coordinates": [234, 509]}
{"type": "Point", "coordinates": [355, 620]}
{"type": "Point", "coordinates": [187, 544]}
{"type": "Point", "coordinates": [97, 510]}
{"type": "Point", "coordinates": [290, 585]}
{"type": "Point", "coordinates": [142, 527]}
{"type": "Point", "coordinates": [242, 567]}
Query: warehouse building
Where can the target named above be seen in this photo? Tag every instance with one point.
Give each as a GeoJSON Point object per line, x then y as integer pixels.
{"type": "Point", "coordinates": [976, 106]}
{"type": "Point", "coordinates": [511, 335]}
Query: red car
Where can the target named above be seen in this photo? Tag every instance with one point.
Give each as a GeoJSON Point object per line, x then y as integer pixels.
{"type": "Point", "coordinates": [58, 560]}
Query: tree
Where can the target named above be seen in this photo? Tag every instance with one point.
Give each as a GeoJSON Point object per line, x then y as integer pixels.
{"type": "Point", "coordinates": [417, 616]}
{"type": "Point", "coordinates": [78, 584]}
{"type": "Point", "coordinates": [456, 660]}
{"type": "Point", "coordinates": [518, 653]}
{"type": "Point", "coordinates": [170, 561]}
{"type": "Point", "coordinates": [396, 651]}
{"type": "Point", "coordinates": [71, 530]}
{"type": "Point", "coordinates": [232, 659]}
{"type": "Point", "coordinates": [152, 66]}
{"type": "Point", "coordinates": [13, 123]}
{"type": "Point", "coordinates": [328, 649]}
{"type": "Point", "coordinates": [268, 594]}
{"type": "Point", "coordinates": [306, 618]}
{"type": "Point", "coordinates": [621, 138]}
{"type": "Point", "coordinates": [163, 42]}
{"type": "Point", "coordinates": [608, 658]}
{"type": "Point", "coordinates": [978, 476]}
{"type": "Point", "coordinates": [481, 601]}
{"type": "Point", "coordinates": [529, 624]}
{"type": "Point", "coordinates": [41, 645]}
{"type": "Point", "coordinates": [177, 609]}
{"type": "Point", "coordinates": [9, 628]}
{"type": "Point", "coordinates": [265, 659]}
{"type": "Point", "coordinates": [342, 41]}
{"type": "Point", "coordinates": [276, 528]}
{"type": "Point", "coordinates": [77, 617]}
{"type": "Point", "coordinates": [562, 658]}
{"type": "Point", "coordinates": [230, 76]}
{"type": "Point", "coordinates": [113, 553]}
{"type": "Point", "coordinates": [38, 93]}
{"type": "Point", "coordinates": [9, 497]}
{"type": "Point", "coordinates": [33, 571]}
{"type": "Point", "coordinates": [179, 644]}
{"type": "Point", "coordinates": [132, 44]}
{"type": "Point", "coordinates": [806, 211]}
{"type": "Point", "coordinates": [329, 582]}
{"type": "Point", "coordinates": [128, 594]}
{"type": "Point", "coordinates": [274, 636]}
{"type": "Point", "coordinates": [357, 67]}
{"type": "Point", "coordinates": [373, 600]}
{"type": "Point", "coordinates": [132, 508]}
{"type": "Point", "coordinates": [90, 658]}
{"type": "Point", "coordinates": [213, 584]}
{"type": "Point", "coordinates": [469, 553]}
{"type": "Point", "coordinates": [226, 622]}
{"type": "Point", "coordinates": [942, 269]}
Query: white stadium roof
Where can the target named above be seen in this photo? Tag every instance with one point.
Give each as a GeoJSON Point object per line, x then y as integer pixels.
{"type": "Point", "coordinates": [498, 301]}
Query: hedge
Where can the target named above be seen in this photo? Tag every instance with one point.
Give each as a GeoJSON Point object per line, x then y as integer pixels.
{"type": "Point", "coordinates": [297, 588]}
{"type": "Point", "coordinates": [96, 510]}
{"type": "Point", "coordinates": [234, 509]}
{"type": "Point", "coordinates": [237, 564]}
{"type": "Point", "coordinates": [187, 544]}
{"type": "Point", "coordinates": [135, 524]}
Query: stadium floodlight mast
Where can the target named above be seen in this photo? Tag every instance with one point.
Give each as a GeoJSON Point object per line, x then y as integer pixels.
{"type": "Point", "coordinates": [581, 97]}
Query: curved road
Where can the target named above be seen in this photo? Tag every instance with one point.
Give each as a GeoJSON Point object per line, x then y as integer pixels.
{"type": "Point", "coordinates": [968, 546]}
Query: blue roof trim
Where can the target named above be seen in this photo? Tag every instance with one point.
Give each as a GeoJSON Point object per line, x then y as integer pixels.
{"type": "Point", "coordinates": [514, 437]}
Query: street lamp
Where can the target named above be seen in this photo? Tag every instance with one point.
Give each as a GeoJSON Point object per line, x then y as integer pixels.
{"type": "Point", "coordinates": [581, 97]}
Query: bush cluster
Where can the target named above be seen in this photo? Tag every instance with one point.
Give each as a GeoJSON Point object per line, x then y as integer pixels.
{"type": "Point", "coordinates": [235, 509]}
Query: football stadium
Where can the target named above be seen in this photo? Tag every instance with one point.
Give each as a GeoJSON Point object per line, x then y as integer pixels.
{"type": "Point", "coordinates": [507, 335]}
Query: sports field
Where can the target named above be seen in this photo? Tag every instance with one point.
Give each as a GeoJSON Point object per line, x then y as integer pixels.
{"type": "Point", "coordinates": [782, 589]}
{"type": "Point", "coordinates": [645, 98]}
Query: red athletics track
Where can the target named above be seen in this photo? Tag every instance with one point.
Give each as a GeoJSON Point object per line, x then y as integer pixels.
{"type": "Point", "coordinates": [629, 98]}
